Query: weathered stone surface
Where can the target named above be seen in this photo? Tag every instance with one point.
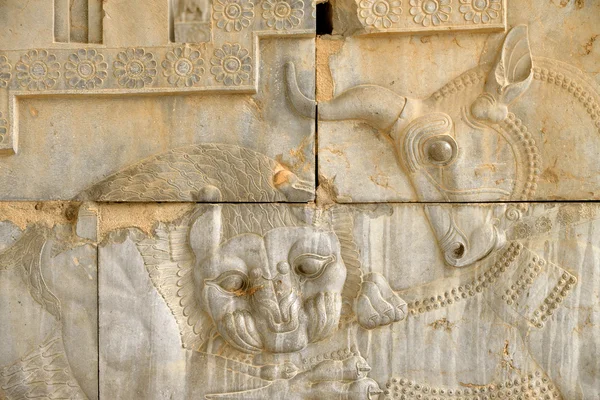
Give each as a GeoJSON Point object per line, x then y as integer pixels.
{"type": "Point", "coordinates": [405, 208]}
{"type": "Point", "coordinates": [26, 24]}
{"type": "Point", "coordinates": [537, 141]}
{"type": "Point", "coordinates": [139, 111]}
{"type": "Point", "coordinates": [135, 23]}
{"type": "Point", "coordinates": [48, 307]}
{"type": "Point", "coordinates": [184, 312]}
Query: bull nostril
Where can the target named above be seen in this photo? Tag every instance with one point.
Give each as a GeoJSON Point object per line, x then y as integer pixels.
{"type": "Point", "coordinates": [459, 250]}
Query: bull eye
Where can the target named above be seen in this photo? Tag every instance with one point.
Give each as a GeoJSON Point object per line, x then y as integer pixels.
{"type": "Point", "coordinates": [441, 150]}
{"type": "Point", "coordinates": [312, 265]}
{"type": "Point", "coordinates": [231, 281]}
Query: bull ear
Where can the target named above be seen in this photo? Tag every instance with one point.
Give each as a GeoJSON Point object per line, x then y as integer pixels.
{"type": "Point", "coordinates": [508, 79]}
{"type": "Point", "coordinates": [205, 233]}
{"type": "Point", "coordinates": [512, 74]}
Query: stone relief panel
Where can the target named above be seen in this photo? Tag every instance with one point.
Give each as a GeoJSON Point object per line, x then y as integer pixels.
{"type": "Point", "coordinates": [112, 104]}
{"type": "Point", "coordinates": [229, 206]}
{"type": "Point", "coordinates": [253, 301]}
{"type": "Point", "coordinates": [48, 302]}
{"type": "Point", "coordinates": [463, 117]}
{"type": "Point", "coordinates": [209, 172]}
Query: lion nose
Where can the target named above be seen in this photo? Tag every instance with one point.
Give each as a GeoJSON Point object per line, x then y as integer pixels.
{"type": "Point", "coordinates": [269, 284]}
{"type": "Point", "coordinates": [272, 292]}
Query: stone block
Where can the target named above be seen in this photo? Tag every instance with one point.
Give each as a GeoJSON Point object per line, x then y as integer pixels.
{"type": "Point", "coordinates": [439, 117]}
{"type": "Point", "coordinates": [140, 119]}
{"type": "Point", "coordinates": [48, 304]}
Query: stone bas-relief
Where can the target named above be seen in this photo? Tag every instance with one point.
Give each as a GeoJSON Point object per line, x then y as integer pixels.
{"type": "Point", "coordinates": [48, 306]}
{"type": "Point", "coordinates": [208, 172]}
{"type": "Point", "coordinates": [252, 301]}
{"type": "Point", "coordinates": [441, 161]}
{"type": "Point", "coordinates": [254, 283]}
{"type": "Point", "coordinates": [191, 22]}
{"type": "Point", "coordinates": [397, 127]}
{"type": "Point", "coordinates": [288, 292]}
{"type": "Point", "coordinates": [418, 16]}
{"type": "Point", "coordinates": [257, 282]}
{"type": "Point", "coordinates": [111, 106]}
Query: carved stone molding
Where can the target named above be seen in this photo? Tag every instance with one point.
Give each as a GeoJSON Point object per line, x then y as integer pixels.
{"type": "Point", "coordinates": [429, 16]}
{"type": "Point", "coordinates": [227, 63]}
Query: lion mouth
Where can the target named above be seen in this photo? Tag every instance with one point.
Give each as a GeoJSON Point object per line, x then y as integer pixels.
{"type": "Point", "coordinates": [281, 316]}
{"type": "Point", "coordinates": [323, 315]}
{"type": "Point", "coordinates": [239, 330]}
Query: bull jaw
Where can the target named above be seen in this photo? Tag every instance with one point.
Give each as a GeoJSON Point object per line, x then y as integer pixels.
{"type": "Point", "coordinates": [461, 256]}
{"type": "Point", "coordinates": [462, 249]}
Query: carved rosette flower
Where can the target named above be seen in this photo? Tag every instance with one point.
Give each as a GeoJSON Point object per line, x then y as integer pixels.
{"type": "Point", "coordinates": [480, 11]}
{"type": "Point", "coordinates": [379, 14]}
{"type": "Point", "coordinates": [135, 68]}
{"type": "Point", "coordinates": [522, 230]}
{"type": "Point", "coordinates": [86, 69]}
{"type": "Point", "coordinates": [587, 212]}
{"type": "Point", "coordinates": [38, 70]}
{"type": "Point", "coordinates": [5, 72]}
{"type": "Point", "coordinates": [231, 64]}
{"type": "Point", "coordinates": [430, 12]}
{"type": "Point", "coordinates": [543, 225]}
{"type": "Point", "coordinates": [567, 215]}
{"type": "Point", "coordinates": [283, 14]}
{"type": "Point", "coordinates": [233, 15]}
{"type": "Point", "coordinates": [183, 66]}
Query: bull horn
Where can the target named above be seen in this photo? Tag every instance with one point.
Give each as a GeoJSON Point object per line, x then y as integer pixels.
{"type": "Point", "coordinates": [376, 105]}
{"type": "Point", "coordinates": [303, 105]}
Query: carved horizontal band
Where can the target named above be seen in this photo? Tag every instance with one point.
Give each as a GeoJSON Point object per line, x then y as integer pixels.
{"type": "Point", "coordinates": [413, 16]}
{"type": "Point", "coordinates": [224, 67]}
{"type": "Point", "coordinates": [183, 67]}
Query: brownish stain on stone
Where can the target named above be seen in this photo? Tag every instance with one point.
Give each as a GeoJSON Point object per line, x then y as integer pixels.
{"type": "Point", "coordinates": [143, 216]}
{"type": "Point", "coordinates": [589, 45]}
{"type": "Point", "coordinates": [49, 213]}
{"type": "Point", "coordinates": [299, 162]}
{"type": "Point", "coordinates": [549, 175]}
{"type": "Point", "coordinates": [380, 179]}
{"type": "Point", "coordinates": [507, 359]}
{"type": "Point", "coordinates": [442, 324]}
{"type": "Point", "coordinates": [326, 192]}
{"type": "Point", "coordinates": [326, 47]}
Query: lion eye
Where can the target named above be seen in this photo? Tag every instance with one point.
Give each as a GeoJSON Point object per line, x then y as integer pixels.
{"type": "Point", "coordinates": [312, 265]}
{"type": "Point", "coordinates": [231, 281]}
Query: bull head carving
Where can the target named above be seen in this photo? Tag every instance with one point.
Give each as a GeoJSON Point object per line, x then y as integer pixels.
{"type": "Point", "coordinates": [455, 146]}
